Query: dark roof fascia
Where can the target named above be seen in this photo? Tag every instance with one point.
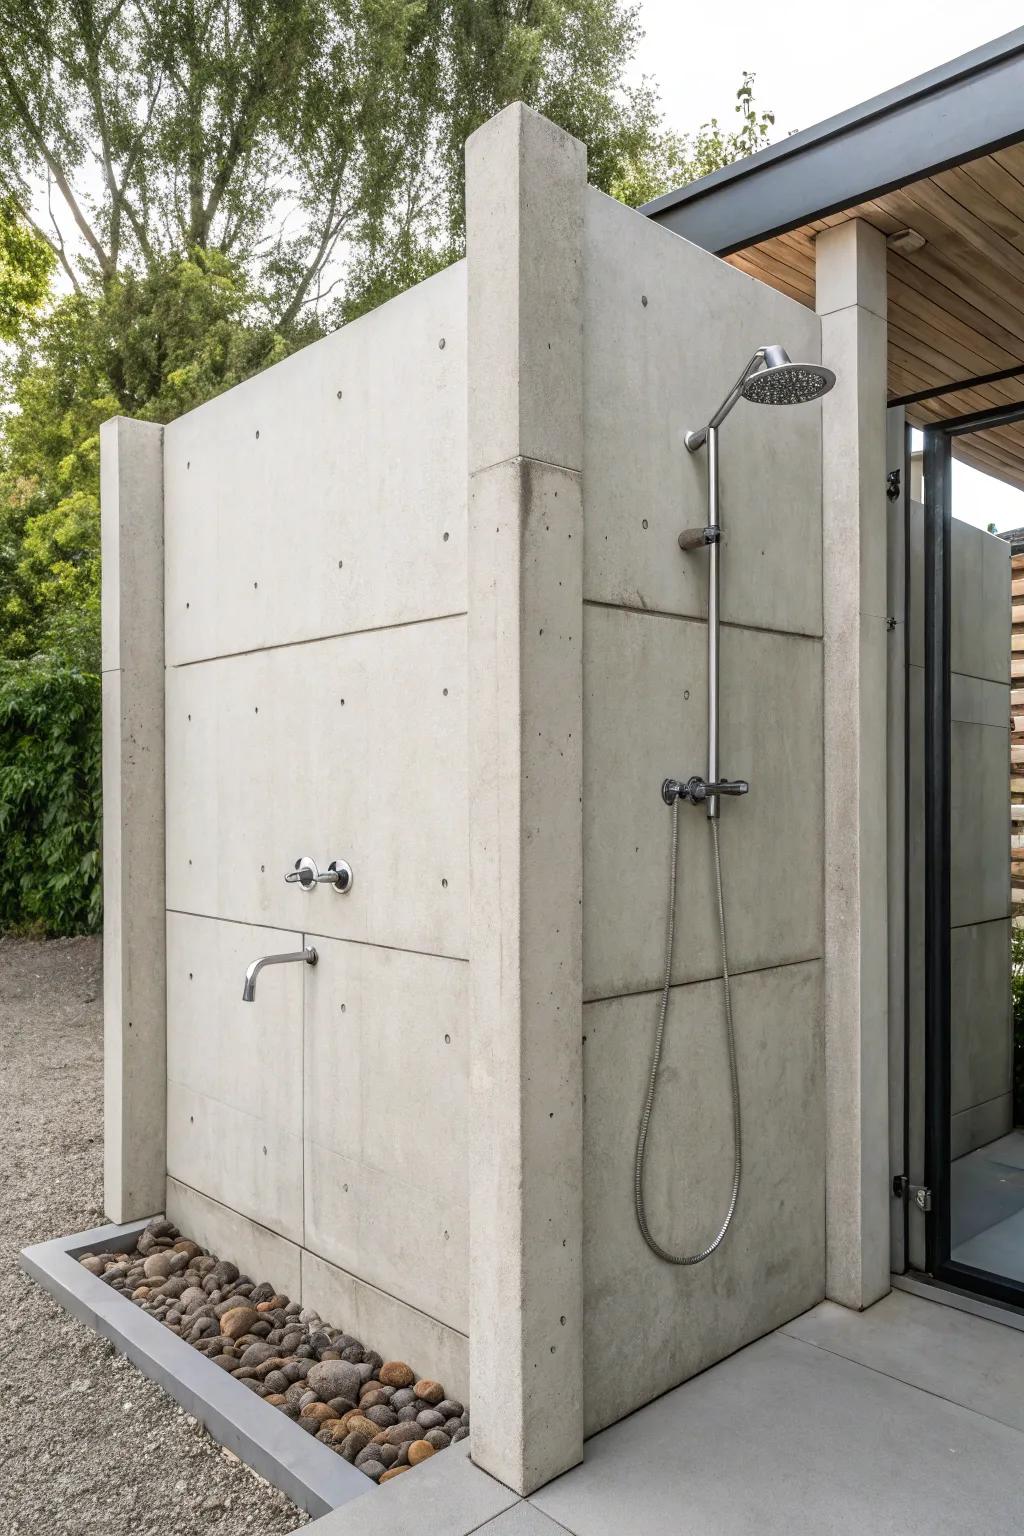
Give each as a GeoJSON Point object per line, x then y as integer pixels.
{"type": "Point", "coordinates": [968, 107]}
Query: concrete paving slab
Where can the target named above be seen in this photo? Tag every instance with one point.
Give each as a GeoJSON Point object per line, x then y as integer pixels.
{"type": "Point", "coordinates": [999, 1249]}
{"type": "Point", "coordinates": [1008, 1150]}
{"type": "Point", "coordinates": [984, 1189]}
{"type": "Point", "coordinates": [446, 1496]}
{"type": "Point", "coordinates": [522, 1520]}
{"type": "Point", "coordinates": [786, 1437]}
{"type": "Point", "coordinates": [965, 1359]}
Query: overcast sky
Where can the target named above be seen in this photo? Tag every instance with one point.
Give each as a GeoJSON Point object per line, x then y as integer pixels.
{"type": "Point", "coordinates": [812, 61]}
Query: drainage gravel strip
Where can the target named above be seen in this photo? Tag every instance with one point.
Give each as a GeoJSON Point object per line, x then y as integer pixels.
{"type": "Point", "coordinates": [373, 1412]}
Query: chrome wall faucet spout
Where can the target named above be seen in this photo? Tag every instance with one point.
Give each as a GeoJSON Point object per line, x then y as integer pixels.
{"type": "Point", "coordinates": [307, 953]}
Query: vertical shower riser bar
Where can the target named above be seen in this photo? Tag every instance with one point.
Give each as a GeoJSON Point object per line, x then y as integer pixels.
{"type": "Point", "coordinates": [714, 594]}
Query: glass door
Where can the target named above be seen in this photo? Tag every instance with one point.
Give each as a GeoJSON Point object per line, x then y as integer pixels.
{"type": "Point", "coordinates": [970, 847]}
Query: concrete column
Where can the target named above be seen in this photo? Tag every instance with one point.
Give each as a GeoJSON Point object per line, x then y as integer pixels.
{"type": "Point", "coordinates": [134, 1012]}
{"type": "Point", "coordinates": [851, 300]}
{"type": "Point", "coordinates": [525, 182]}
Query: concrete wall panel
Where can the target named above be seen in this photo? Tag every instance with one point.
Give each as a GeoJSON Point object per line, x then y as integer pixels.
{"type": "Point", "coordinates": [667, 329]}
{"type": "Point", "coordinates": [234, 1070]}
{"type": "Point", "coordinates": [408, 1240]}
{"type": "Point", "coordinates": [979, 882]}
{"type": "Point", "coordinates": [977, 701]}
{"type": "Point", "coordinates": [252, 1165]}
{"type": "Point", "coordinates": [327, 494]}
{"type": "Point", "coordinates": [257, 1251]}
{"type": "Point", "coordinates": [390, 1030]}
{"type": "Point", "coordinates": [979, 620]}
{"type": "Point", "coordinates": [980, 905]}
{"type": "Point", "coordinates": [248, 1055]}
{"type": "Point", "coordinates": [388, 1324]}
{"type": "Point", "coordinates": [980, 1016]}
{"type": "Point", "coordinates": [982, 1123]}
{"type": "Point", "coordinates": [644, 719]}
{"type": "Point", "coordinates": [265, 763]}
{"type": "Point", "coordinates": [649, 1324]}
{"type": "Point", "coordinates": [387, 1056]}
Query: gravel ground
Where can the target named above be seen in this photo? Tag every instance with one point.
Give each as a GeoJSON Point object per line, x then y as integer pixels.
{"type": "Point", "coordinates": [87, 1444]}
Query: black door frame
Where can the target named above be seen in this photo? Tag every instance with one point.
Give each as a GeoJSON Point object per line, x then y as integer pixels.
{"type": "Point", "coordinates": [938, 463]}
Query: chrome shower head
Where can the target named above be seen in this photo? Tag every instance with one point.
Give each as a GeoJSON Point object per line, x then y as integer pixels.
{"type": "Point", "coordinates": [770, 378]}
{"type": "Point", "coordinates": [782, 382]}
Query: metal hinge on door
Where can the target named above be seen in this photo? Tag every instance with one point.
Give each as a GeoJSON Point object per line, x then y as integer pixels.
{"type": "Point", "coordinates": [919, 1193]}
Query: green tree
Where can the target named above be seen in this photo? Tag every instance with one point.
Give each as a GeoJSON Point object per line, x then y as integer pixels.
{"type": "Point", "coordinates": [26, 266]}
{"type": "Point", "coordinates": [197, 167]}
{"type": "Point", "coordinates": [274, 132]}
{"type": "Point", "coordinates": [50, 798]}
{"type": "Point", "coordinates": [151, 345]}
{"type": "Point", "coordinates": [664, 159]}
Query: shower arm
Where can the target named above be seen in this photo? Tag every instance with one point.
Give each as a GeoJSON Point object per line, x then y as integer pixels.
{"type": "Point", "coordinates": [770, 357]}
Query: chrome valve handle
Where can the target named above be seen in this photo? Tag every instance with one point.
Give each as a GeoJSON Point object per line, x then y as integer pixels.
{"type": "Point", "coordinates": [306, 873]}
{"type": "Point", "coordinates": [697, 790]}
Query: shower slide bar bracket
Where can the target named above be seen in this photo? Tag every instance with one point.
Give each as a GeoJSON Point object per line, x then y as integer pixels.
{"type": "Point", "coordinates": [699, 538]}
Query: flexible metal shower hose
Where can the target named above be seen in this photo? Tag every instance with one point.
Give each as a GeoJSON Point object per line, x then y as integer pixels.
{"type": "Point", "coordinates": [652, 1081]}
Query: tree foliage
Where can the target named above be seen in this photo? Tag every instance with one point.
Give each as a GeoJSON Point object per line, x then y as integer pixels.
{"type": "Point", "coordinates": [149, 345]}
{"type": "Point", "coordinates": [26, 265]}
{"type": "Point", "coordinates": [50, 798]}
{"type": "Point", "coordinates": [666, 159]}
{"type": "Point", "coordinates": [274, 132]}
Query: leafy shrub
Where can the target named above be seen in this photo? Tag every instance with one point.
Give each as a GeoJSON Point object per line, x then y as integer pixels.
{"type": "Point", "coordinates": [50, 797]}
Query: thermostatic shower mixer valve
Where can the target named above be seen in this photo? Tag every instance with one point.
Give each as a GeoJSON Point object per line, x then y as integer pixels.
{"type": "Point", "coordinates": [697, 790]}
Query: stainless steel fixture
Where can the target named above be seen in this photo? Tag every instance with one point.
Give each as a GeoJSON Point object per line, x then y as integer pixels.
{"type": "Point", "coordinates": [307, 953]}
{"type": "Point", "coordinates": [697, 790]}
{"type": "Point", "coordinates": [306, 873]}
{"type": "Point", "coordinates": [770, 378]}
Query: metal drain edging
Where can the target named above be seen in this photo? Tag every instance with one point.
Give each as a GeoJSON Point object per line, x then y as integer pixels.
{"type": "Point", "coordinates": [316, 1479]}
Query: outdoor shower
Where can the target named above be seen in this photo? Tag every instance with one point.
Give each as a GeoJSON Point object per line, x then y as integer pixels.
{"type": "Point", "coordinates": [769, 378]}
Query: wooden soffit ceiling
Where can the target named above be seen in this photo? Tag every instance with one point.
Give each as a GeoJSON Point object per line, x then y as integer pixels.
{"type": "Point", "coordinates": [955, 305]}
